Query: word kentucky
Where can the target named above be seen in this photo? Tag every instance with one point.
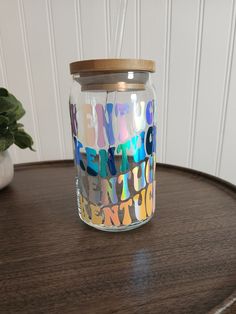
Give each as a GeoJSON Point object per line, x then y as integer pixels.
{"type": "Point", "coordinates": [138, 208]}
{"type": "Point", "coordinates": [124, 115]}
{"type": "Point", "coordinates": [139, 146]}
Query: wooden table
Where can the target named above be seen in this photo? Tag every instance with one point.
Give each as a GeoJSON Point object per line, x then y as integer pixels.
{"type": "Point", "coordinates": [183, 261]}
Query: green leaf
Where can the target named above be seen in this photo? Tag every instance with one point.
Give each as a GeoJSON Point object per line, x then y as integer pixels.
{"type": "Point", "coordinates": [3, 91]}
{"type": "Point", "coordinates": [6, 141]}
{"type": "Point", "coordinates": [3, 131]}
{"type": "Point", "coordinates": [6, 105]}
{"type": "Point", "coordinates": [23, 140]}
{"type": "Point", "coordinates": [4, 121]}
{"type": "Point", "coordinates": [12, 107]}
{"type": "Point", "coordinates": [13, 127]}
{"type": "Point", "coordinates": [19, 112]}
{"type": "Point", "coordinates": [11, 110]}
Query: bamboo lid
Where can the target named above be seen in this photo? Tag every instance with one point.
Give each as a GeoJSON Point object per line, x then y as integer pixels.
{"type": "Point", "coordinates": [111, 65]}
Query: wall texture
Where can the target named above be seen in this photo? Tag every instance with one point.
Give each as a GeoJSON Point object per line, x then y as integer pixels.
{"type": "Point", "coordinates": [192, 41]}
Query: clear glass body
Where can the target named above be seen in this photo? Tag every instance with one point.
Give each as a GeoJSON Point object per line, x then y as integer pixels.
{"type": "Point", "coordinates": [114, 142]}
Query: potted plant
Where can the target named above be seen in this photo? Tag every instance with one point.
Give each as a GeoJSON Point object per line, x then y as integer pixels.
{"type": "Point", "coordinates": [11, 132]}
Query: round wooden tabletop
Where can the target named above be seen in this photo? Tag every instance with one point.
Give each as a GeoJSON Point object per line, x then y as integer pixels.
{"type": "Point", "coordinates": [182, 261]}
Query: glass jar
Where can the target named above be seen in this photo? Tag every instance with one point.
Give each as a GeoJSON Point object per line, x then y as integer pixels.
{"type": "Point", "coordinates": [113, 119]}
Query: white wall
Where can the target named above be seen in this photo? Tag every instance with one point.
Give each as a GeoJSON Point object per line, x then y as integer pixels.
{"type": "Point", "coordinates": [192, 41]}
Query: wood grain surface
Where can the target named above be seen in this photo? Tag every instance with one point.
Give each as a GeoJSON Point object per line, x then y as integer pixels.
{"type": "Point", "coordinates": [182, 261]}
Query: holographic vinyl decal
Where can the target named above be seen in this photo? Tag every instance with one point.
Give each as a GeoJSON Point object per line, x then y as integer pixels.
{"type": "Point", "coordinates": [116, 167]}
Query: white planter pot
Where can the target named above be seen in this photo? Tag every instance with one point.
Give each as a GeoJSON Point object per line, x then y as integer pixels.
{"type": "Point", "coordinates": [6, 169]}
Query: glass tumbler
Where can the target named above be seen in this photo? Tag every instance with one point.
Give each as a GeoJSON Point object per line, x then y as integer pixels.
{"type": "Point", "coordinates": [113, 120]}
